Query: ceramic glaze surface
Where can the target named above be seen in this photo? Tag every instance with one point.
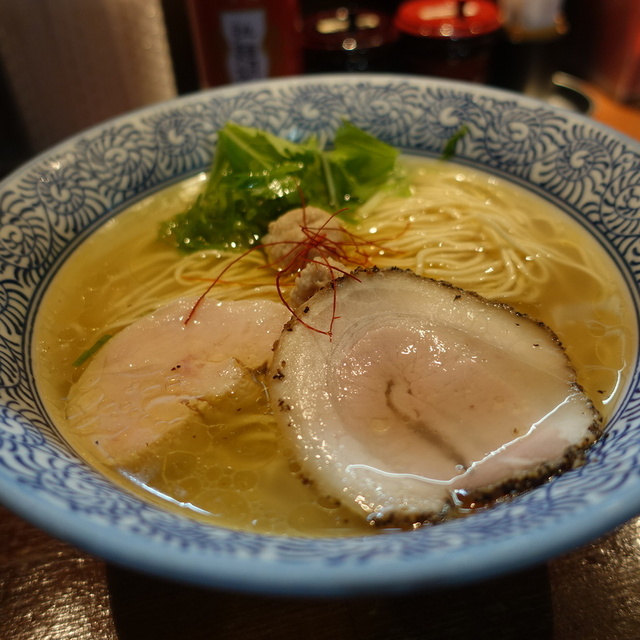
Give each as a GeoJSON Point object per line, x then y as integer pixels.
{"type": "Point", "coordinates": [51, 204]}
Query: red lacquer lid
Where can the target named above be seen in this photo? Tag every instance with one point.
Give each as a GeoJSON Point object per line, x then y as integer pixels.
{"type": "Point", "coordinates": [451, 19]}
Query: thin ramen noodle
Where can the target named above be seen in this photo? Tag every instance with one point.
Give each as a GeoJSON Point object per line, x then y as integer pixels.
{"type": "Point", "coordinates": [460, 225]}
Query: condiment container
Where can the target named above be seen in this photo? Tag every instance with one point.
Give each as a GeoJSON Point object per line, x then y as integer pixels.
{"type": "Point", "coordinates": [615, 65]}
{"type": "Point", "coordinates": [348, 38]}
{"type": "Point", "coordinates": [447, 38]}
{"type": "Point", "coordinates": [530, 51]}
{"type": "Point", "coordinates": [240, 40]}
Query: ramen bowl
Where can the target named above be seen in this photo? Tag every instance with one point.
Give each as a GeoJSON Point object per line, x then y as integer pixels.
{"type": "Point", "coordinates": [53, 204]}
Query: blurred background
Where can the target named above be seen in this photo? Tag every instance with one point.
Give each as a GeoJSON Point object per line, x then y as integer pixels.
{"type": "Point", "coordinates": [66, 65]}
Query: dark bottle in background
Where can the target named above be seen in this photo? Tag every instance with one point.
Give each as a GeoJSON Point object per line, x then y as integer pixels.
{"type": "Point", "coordinates": [615, 47]}
{"type": "Point", "coordinates": [240, 40]}
{"type": "Point", "coordinates": [531, 49]}
{"type": "Point", "coordinates": [14, 146]}
{"type": "Point", "coordinates": [350, 37]}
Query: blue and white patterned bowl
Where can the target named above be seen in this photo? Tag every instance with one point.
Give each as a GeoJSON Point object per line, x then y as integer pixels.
{"type": "Point", "coordinates": [54, 202]}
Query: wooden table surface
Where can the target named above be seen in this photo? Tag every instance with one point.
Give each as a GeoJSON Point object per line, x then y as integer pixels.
{"type": "Point", "coordinates": [52, 591]}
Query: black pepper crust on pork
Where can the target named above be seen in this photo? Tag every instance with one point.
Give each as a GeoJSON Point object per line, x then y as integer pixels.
{"type": "Point", "coordinates": [425, 398]}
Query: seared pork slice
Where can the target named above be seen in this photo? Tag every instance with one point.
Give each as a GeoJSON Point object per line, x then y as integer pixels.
{"type": "Point", "coordinates": [423, 392]}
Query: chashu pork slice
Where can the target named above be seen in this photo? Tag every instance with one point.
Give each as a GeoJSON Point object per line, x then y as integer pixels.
{"type": "Point", "coordinates": [423, 392]}
{"type": "Point", "coordinates": [161, 372]}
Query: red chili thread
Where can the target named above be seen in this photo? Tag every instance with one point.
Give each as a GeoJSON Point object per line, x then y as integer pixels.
{"type": "Point", "coordinates": [316, 240]}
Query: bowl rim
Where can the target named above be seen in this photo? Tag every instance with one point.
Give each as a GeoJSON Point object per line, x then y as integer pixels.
{"type": "Point", "coordinates": [239, 573]}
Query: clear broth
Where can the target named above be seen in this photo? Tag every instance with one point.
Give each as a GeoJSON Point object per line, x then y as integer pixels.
{"type": "Point", "coordinates": [243, 476]}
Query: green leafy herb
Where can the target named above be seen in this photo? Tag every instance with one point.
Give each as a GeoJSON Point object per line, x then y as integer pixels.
{"type": "Point", "coordinates": [452, 143]}
{"type": "Point", "coordinates": [257, 176]}
{"type": "Point", "coordinates": [92, 350]}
